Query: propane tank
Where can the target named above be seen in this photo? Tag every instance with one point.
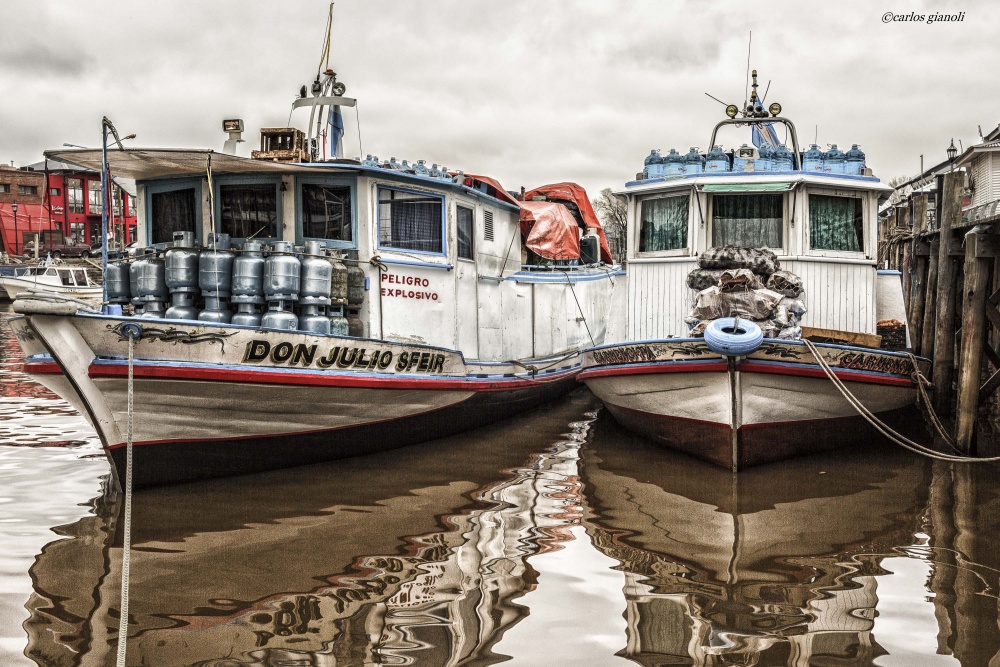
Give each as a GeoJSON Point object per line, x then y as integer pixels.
{"type": "Point", "coordinates": [355, 285]}
{"type": "Point", "coordinates": [338, 284]}
{"type": "Point", "coordinates": [248, 284]}
{"type": "Point", "coordinates": [281, 273]}
{"type": "Point", "coordinates": [116, 277]}
{"type": "Point", "coordinates": [181, 269]}
{"type": "Point", "coordinates": [317, 275]}
{"type": "Point", "coordinates": [278, 318]}
{"type": "Point", "coordinates": [355, 327]}
{"type": "Point", "coordinates": [215, 277]}
{"type": "Point", "coordinates": [152, 286]}
{"type": "Point", "coordinates": [338, 323]}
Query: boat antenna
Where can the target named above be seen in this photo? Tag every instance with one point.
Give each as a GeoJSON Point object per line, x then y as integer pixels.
{"type": "Point", "coordinates": [746, 90]}
{"type": "Point", "coordinates": [717, 99]}
{"type": "Point", "coordinates": [816, 136]}
{"type": "Point", "coordinates": [765, 92]}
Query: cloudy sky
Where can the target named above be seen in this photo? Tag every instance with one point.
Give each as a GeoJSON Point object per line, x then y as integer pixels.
{"type": "Point", "coordinates": [528, 92]}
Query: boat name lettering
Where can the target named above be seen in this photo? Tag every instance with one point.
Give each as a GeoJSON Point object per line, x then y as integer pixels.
{"type": "Point", "coordinates": [868, 362]}
{"type": "Point", "coordinates": [300, 354]}
{"type": "Point", "coordinates": [624, 355]}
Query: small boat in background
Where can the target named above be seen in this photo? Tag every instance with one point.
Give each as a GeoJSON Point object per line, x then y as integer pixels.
{"type": "Point", "coordinates": [751, 275]}
{"type": "Point", "coordinates": [68, 281]}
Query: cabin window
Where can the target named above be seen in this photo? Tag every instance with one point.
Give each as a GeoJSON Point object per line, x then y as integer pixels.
{"type": "Point", "coordinates": [464, 229]}
{"type": "Point", "coordinates": [80, 276]}
{"type": "Point", "coordinates": [248, 210]}
{"type": "Point", "coordinates": [836, 223]}
{"type": "Point", "coordinates": [95, 202]}
{"type": "Point", "coordinates": [66, 278]}
{"type": "Point", "coordinates": [74, 192]}
{"type": "Point", "coordinates": [663, 224]}
{"type": "Point", "coordinates": [170, 211]}
{"type": "Point", "coordinates": [327, 212]}
{"type": "Point", "coordinates": [748, 221]}
{"type": "Point", "coordinates": [411, 220]}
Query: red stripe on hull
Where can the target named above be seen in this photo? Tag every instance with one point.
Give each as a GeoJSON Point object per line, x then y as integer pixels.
{"type": "Point", "coordinates": [663, 367]}
{"type": "Point", "coordinates": [317, 380]}
{"type": "Point", "coordinates": [814, 371]}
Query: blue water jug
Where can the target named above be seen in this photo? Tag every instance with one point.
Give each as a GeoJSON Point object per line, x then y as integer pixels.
{"type": "Point", "coordinates": [673, 163]}
{"type": "Point", "coordinates": [716, 160]}
{"type": "Point", "coordinates": [694, 163]}
{"type": "Point", "coordinates": [855, 161]}
{"type": "Point", "coordinates": [834, 162]}
{"type": "Point", "coordinates": [782, 159]}
{"type": "Point", "coordinates": [812, 159]}
{"type": "Point", "coordinates": [765, 161]}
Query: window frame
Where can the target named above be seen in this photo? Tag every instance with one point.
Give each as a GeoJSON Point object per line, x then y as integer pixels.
{"type": "Point", "coordinates": [423, 193]}
{"type": "Point", "coordinates": [160, 187]}
{"type": "Point", "coordinates": [88, 189]}
{"type": "Point", "coordinates": [472, 233]}
{"type": "Point", "coordinates": [785, 233]}
{"type": "Point", "coordinates": [70, 188]}
{"type": "Point", "coordinates": [336, 181]}
{"type": "Point", "coordinates": [807, 220]}
{"type": "Point", "coordinates": [248, 179]}
{"type": "Point", "coordinates": [689, 234]}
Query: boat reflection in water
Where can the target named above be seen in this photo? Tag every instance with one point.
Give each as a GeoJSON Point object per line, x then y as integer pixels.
{"type": "Point", "coordinates": [553, 540]}
{"type": "Point", "coordinates": [782, 564]}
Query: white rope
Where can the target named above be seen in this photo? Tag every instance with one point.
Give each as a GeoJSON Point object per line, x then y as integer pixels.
{"type": "Point", "coordinates": [127, 546]}
{"type": "Point", "coordinates": [881, 426]}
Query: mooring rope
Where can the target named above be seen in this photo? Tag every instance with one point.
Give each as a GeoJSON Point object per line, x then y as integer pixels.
{"type": "Point", "coordinates": [582, 316]}
{"type": "Point", "coordinates": [881, 426]}
{"type": "Point", "coordinates": [127, 545]}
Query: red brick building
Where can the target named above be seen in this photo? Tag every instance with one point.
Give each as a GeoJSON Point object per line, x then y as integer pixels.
{"type": "Point", "coordinates": [58, 200]}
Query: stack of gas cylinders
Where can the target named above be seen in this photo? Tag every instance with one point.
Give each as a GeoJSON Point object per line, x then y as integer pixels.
{"type": "Point", "coordinates": [274, 287]}
{"type": "Point", "coordinates": [766, 159]}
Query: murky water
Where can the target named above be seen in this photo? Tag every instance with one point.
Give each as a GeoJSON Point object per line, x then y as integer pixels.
{"type": "Point", "coordinates": [557, 539]}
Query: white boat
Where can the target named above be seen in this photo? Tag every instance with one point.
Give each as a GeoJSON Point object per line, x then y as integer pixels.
{"type": "Point", "coordinates": [70, 281]}
{"type": "Point", "coordinates": [450, 330]}
{"type": "Point", "coordinates": [761, 400]}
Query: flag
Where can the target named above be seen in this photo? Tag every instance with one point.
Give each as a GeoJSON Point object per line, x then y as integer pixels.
{"type": "Point", "coordinates": [336, 132]}
{"type": "Point", "coordinates": [763, 133]}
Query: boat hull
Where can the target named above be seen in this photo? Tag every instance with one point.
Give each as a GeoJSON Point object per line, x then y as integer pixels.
{"type": "Point", "coordinates": [775, 404]}
{"type": "Point", "coordinates": [211, 401]}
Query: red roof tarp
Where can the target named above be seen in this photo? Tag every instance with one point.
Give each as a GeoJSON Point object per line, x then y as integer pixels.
{"type": "Point", "coordinates": [550, 230]}
{"type": "Point", "coordinates": [573, 194]}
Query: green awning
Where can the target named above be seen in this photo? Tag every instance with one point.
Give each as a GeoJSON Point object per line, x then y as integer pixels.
{"type": "Point", "coordinates": [746, 187]}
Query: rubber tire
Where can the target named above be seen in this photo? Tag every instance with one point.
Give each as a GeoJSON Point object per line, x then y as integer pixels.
{"type": "Point", "coordinates": [56, 254]}
{"type": "Point", "coordinates": [738, 344]}
{"type": "Point", "coordinates": [85, 254]}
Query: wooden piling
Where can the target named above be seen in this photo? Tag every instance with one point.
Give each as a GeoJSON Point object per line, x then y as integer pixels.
{"type": "Point", "coordinates": [918, 290]}
{"type": "Point", "coordinates": [930, 311]}
{"type": "Point", "coordinates": [944, 326]}
{"type": "Point", "coordinates": [978, 257]}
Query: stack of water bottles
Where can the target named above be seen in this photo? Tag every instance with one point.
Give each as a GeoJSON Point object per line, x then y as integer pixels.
{"type": "Point", "coordinates": [300, 289]}
{"type": "Point", "coordinates": [768, 159]}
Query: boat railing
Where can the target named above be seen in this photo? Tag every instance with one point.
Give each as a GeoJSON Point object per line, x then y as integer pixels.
{"type": "Point", "coordinates": [796, 156]}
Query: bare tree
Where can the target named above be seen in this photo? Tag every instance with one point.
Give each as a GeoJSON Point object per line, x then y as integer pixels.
{"type": "Point", "coordinates": [898, 195]}
{"type": "Point", "coordinates": [610, 208]}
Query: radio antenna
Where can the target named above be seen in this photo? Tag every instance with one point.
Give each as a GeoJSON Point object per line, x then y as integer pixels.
{"type": "Point", "coordinates": [745, 91]}
{"type": "Point", "coordinates": [717, 99]}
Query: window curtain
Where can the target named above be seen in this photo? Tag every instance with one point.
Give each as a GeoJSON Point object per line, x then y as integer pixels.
{"type": "Point", "coordinates": [663, 224]}
{"type": "Point", "coordinates": [172, 211]}
{"type": "Point", "coordinates": [835, 223]}
{"type": "Point", "coordinates": [747, 221]}
{"type": "Point", "coordinates": [410, 222]}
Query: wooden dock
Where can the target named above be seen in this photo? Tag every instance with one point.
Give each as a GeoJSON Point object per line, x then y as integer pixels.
{"type": "Point", "coordinates": [947, 254]}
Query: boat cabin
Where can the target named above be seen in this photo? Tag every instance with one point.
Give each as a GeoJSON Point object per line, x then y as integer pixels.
{"type": "Point", "coordinates": [441, 255]}
{"type": "Point", "coordinates": [822, 225]}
